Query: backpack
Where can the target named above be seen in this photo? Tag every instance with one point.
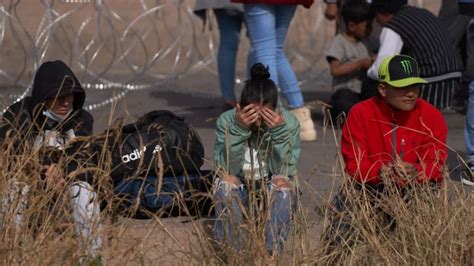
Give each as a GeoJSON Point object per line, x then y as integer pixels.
{"type": "Point", "coordinates": [158, 143]}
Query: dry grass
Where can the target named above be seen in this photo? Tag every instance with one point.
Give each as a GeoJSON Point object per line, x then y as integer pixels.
{"type": "Point", "coordinates": [431, 228]}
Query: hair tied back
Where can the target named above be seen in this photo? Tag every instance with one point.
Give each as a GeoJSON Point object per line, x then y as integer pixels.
{"type": "Point", "coordinates": [259, 72]}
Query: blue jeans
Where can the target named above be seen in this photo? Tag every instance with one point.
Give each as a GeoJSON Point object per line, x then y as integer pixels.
{"type": "Point", "coordinates": [268, 27]}
{"type": "Point", "coordinates": [229, 30]}
{"type": "Point", "coordinates": [469, 127]}
{"type": "Point", "coordinates": [230, 201]}
{"type": "Point", "coordinates": [144, 190]}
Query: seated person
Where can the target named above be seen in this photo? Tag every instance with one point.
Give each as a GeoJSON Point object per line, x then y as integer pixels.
{"type": "Point", "coordinates": [46, 125]}
{"type": "Point", "coordinates": [257, 150]}
{"type": "Point", "coordinates": [396, 135]}
{"type": "Point", "coordinates": [349, 57]}
{"type": "Point", "coordinates": [417, 33]}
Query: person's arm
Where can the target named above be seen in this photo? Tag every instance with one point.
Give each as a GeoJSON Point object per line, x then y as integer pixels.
{"type": "Point", "coordinates": [391, 43]}
{"type": "Point", "coordinates": [339, 69]}
{"type": "Point", "coordinates": [433, 152]}
{"type": "Point", "coordinates": [285, 150]}
{"type": "Point", "coordinates": [337, 54]}
{"type": "Point", "coordinates": [229, 149]}
{"type": "Point", "coordinates": [355, 151]}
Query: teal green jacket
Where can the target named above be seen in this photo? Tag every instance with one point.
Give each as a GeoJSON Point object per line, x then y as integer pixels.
{"type": "Point", "coordinates": [271, 151]}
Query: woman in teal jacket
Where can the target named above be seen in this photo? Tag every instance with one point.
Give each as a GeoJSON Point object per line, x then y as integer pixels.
{"type": "Point", "coordinates": [257, 147]}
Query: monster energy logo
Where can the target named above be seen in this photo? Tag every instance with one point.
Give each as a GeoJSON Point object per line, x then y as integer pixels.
{"type": "Point", "coordinates": [406, 64]}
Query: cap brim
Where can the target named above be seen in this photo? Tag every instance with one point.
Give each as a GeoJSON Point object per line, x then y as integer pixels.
{"type": "Point", "coordinates": [406, 82]}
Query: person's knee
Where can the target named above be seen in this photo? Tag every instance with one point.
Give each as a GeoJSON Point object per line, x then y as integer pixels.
{"type": "Point", "coordinates": [231, 179]}
{"type": "Point", "coordinates": [281, 182]}
{"type": "Point", "coordinates": [226, 184]}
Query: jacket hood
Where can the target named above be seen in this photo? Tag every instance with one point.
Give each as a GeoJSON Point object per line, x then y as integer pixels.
{"type": "Point", "coordinates": [55, 79]}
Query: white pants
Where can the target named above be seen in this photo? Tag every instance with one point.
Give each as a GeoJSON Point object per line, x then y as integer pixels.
{"type": "Point", "coordinates": [84, 205]}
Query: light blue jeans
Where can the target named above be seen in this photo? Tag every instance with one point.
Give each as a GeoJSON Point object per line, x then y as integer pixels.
{"type": "Point", "coordinates": [229, 31]}
{"type": "Point", "coordinates": [268, 26]}
{"type": "Point", "coordinates": [230, 201]}
{"type": "Point", "coordinates": [469, 127]}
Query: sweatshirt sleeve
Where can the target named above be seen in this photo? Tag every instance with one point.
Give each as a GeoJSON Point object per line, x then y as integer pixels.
{"type": "Point", "coordinates": [391, 43]}
{"type": "Point", "coordinates": [285, 141]}
{"type": "Point", "coordinates": [354, 150]}
{"type": "Point", "coordinates": [229, 149]}
{"type": "Point", "coordinates": [433, 153]}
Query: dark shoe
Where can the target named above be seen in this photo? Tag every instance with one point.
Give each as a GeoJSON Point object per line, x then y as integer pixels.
{"type": "Point", "coordinates": [459, 100]}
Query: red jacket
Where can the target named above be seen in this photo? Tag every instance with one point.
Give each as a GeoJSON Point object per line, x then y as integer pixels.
{"type": "Point", "coordinates": [305, 3]}
{"type": "Point", "coordinates": [367, 140]}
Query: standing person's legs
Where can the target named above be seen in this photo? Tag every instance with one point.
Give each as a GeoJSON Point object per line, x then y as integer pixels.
{"type": "Point", "coordinates": [469, 127]}
{"type": "Point", "coordinates": [229, 31]}
{"type": "Point", "coordinates": [282, 206]}
{"type": "Point", "coordinates": [469, 137]}
{"type": "Point", "coordinates": [229, 199]}
{"type": "Point", "coordinates": [286, 76]}
{"type": "Point", "coordinates": [86, 214]}
{"type": "Point", "coordinates": [260, 20]}
{"type": "Point", "coordinates": [268, 27]}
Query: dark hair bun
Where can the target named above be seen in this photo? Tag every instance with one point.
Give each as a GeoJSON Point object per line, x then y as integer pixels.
{"type": "Point", "coordinates": [259, 72]}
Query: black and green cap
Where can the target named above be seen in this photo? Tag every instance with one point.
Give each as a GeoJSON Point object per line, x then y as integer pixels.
{"type": "Point", "coordinates": [400, 71]}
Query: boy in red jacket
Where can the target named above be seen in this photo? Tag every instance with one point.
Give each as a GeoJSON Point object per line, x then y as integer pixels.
{"type": "Point", "coordinates": [395, 129]}
{"type": "Point", "coordinates": [395, 135]}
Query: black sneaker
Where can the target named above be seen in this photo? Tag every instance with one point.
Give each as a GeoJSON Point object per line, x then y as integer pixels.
{"type": "Point", "coordinates": [467, 177]}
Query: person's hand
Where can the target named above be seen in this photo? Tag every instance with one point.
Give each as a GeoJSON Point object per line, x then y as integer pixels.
{"type": "Point", "coordinates": [401, 173]}
{"type": "Point", "coordinates": [405, 170]}
{"type": "Point", "coordinates": [331, 11]}
{"type": "Point", "coordinates": [248, 115]}
{"type": "Point", "coordinates": [365, 63]}
{"type": "Point", "coordinates": [54, 176]}
{"type": "Point", "coordinates": [271, 118]}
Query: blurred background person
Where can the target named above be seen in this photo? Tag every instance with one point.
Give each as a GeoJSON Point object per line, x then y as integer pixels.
{"type": "Point", "coordinates": [418, 33]}
{"type": "Point", "coordinates": [268, 22]}
{"type": "Point", "coordinates": [466, 7]}
{"type": "Point", "coordinates": [457, 27]}
{"type": "Point", "coordinates": [349, 57]}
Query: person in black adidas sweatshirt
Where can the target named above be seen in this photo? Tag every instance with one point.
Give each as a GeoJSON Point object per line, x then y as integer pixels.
{"type": "Point", "coordinates": [46, 126]}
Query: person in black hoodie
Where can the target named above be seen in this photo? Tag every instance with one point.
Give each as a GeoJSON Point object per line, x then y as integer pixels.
{"type": "Point", "coordinates": [47, 125]}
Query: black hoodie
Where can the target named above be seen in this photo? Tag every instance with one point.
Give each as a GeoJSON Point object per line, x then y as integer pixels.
{"type": "Point", "coordinates": [53, 79]}
{"type": "Point", "coordinates": [24, 120]}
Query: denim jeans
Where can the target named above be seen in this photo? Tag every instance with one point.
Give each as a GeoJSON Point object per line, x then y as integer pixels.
{"type": "Point", "coordinates": [268, 26]}
{"type": "Point", "coordinates": [469, 127]}
{"type": "Point", "coordinates": [229, 202]}
{"type": "Point", "coordinates": [229, 31]}
{"type": "Point", "coordinates": [145, 191]}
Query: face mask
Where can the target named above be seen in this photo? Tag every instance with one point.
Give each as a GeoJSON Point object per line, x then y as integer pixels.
{"type": "Point", "coordinates": [55, 117]}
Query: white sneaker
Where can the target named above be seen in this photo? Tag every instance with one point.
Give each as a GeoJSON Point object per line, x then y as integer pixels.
{"type": "Point", "coordinates": [307, 130]}
{"type": "Point", "coordinates": [467, 177]}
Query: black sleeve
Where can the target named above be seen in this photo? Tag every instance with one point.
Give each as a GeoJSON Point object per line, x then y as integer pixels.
{"type": "Point", "coordinates": [83, 153]}
{"type": "Point", "coordinates": [16, 120]}
{"type": "Point", "coordinates": [86, 124]}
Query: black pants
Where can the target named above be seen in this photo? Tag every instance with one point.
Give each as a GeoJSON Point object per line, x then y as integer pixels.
{"type": "Point", "coordinates": [342, 101]}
